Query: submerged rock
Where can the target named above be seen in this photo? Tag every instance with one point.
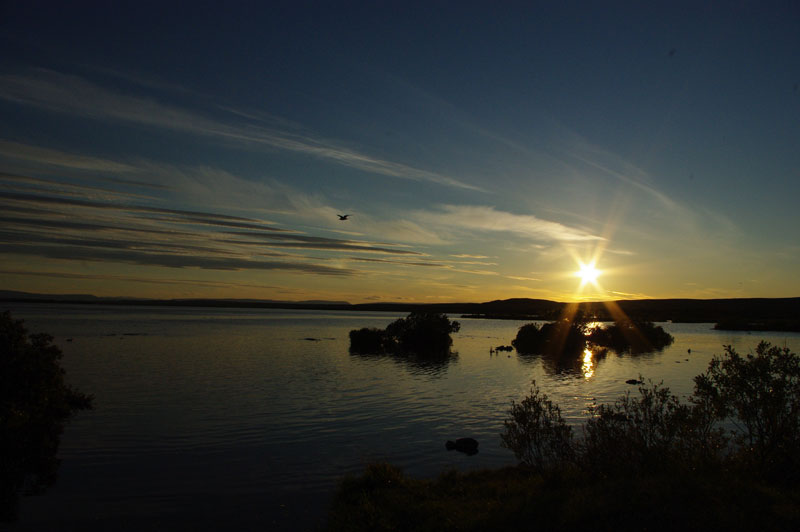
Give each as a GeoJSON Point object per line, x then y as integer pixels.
{"type": "Point", "coordinates": [468, 446]}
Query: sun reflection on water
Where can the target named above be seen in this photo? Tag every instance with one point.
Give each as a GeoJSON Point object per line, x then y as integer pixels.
{"type": "Point", "coordinates": [588, 364]}
{"type": "Point", "coordinates": [590, 326]}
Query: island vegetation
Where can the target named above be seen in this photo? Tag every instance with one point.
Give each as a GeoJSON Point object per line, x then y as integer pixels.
{"type": "Point", "coordinates": [35, 405]}
{"type": "Point", "coordinates": [631, 336]}
{"type": "Point", "coordinates": [571, 336]}
{"type": "Point", "coordinates": [562, 336]}
{"type": "Point", "coordinates": [424, 334]}
{"type": "Point", "coordinates": [728, 458]}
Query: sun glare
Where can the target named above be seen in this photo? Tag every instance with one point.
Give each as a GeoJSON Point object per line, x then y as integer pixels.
{"type": "Point", "coordinates": [588, 273]}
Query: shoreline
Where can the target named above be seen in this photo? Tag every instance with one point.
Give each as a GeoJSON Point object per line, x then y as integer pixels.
{"type": "Point", "coordinates": [755, 314]}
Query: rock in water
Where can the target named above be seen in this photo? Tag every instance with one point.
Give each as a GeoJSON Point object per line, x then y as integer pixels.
{"type": "Point", "coordinates": [468, 446]}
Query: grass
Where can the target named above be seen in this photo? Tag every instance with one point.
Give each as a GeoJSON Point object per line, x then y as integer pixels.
{"type": "Point", "coordinates": [516, 498]}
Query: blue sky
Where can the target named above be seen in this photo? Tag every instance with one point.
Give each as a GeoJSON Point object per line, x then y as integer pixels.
{"type": "Point", "coordinates": [483, 150]}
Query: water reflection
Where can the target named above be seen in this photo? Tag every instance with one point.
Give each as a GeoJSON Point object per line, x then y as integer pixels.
{"type": "Point", "coordinates": [588, 364]}
{"type": "Point", "coordinates": [432, 366]}
{"type": "Point", "coordinates": [581, 364]}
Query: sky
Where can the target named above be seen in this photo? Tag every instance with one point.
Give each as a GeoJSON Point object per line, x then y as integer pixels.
{"type": "Point", "coordinates": [482, 150]}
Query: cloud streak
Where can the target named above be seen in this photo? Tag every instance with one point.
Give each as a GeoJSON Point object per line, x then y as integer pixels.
{"type": "Point", "coordinates": [127, 278]}
{"type": "Point", "coordinates": [168, 260]}
{"type": "Point", "coordinates": [490, 220]}
{"type": "Point", "coordinates": [75, 95]}
{"type": "Point", "coordinates": [26, 152]}
{"type": "Point", "coordinates": [55, 224]}
{"type": "Point", "coordinates": [315, 242]}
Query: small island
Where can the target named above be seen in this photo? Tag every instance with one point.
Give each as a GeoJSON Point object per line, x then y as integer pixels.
{"type": "Point", "coordinates": [425, 334]}
{"type": "Point", "coordinates": [571, 336]}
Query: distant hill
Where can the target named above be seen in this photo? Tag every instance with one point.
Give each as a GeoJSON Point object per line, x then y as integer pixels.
{"type": "Point", "coordinates": [13, 295]}
{"type": "Point", "coordinates": [706, 310]}
{"type": "Point", "coordinates": [750, 313]}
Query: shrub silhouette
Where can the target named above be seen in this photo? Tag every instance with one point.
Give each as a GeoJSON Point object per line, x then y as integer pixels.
{"type": "Point", "coordinates": [536, 433]}
{"type": "Point", "coordinates": [35, 404]}
{"type": "Point", "coordinates": [563, 336]}
{"type": "Point", "coordinates": [760, 395]}
{"type": "Point", "coordinates": [420, 333]}
{"type": "Point", "coordinates": [654, 432]}
{"type": "Point", "coordinates": [634, 336]}
{"type": "Point", "coordinates": [569, 337]}
{"type": "Point", "coordinates": [643, 432]}
{"type": "Point", "coordinates": [368, 340]}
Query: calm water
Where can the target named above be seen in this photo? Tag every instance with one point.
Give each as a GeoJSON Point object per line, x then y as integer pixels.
{"type": "Point", "coordinates": [217, 419]}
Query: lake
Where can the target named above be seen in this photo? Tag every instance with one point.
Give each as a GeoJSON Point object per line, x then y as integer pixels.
{"type": "Point", "coordinates": [215, 419]}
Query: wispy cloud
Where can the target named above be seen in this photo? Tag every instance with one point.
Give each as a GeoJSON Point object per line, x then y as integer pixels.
{"type": "Point", "coordinates": [577, 149]}
{"type": "Point", "coordinates": [64, 93]}
{"type": "Point", "coordinates": [27, 183]}
{"type": "Point", "coordinates": [404, 263]}
{"type": "Point", "coordinates": [194, 216]}
{"type": "Point", "coordinates": [169, 260]}
{"type": "Point", "coordinates": [51, 222]}
{"type": "Point", "coordinates": [315, 242]}
{"type": "Point", "coordinates": [27, 152]}
{"type": "Point", "coordinates": [519, 278]}
{"type": "Point", "coordinates": [490, 220]}
{"type": "Point", "coordinates": [128, 278]}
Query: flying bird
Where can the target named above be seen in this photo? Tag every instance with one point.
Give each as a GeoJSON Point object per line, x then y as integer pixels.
{"type": "Point", "coordinates": [343, 216]}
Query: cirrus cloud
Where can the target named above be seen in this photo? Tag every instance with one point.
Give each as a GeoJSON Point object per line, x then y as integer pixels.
{"type": "Point", "coordinates": [489, 220]}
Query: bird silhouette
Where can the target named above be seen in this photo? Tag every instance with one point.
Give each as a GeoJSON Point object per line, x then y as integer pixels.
{"type": "Point", "coordinates": [343, 216]}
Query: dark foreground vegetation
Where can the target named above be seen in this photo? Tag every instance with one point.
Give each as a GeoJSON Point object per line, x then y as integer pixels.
{"type": "Point", "coordinates": [571, 337]}
{"type": "Point", "coordinates": [420, 333]}
{"type": "Point", "coordinates": [517, 499]}
{"type": "Point", "coordinates": [726, 459]}
{"type": "Point", "coordinates": [35, 405]}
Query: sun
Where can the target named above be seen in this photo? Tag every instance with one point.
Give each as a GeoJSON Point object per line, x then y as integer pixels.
{"type": "Point", "coordinates": [588, 273]}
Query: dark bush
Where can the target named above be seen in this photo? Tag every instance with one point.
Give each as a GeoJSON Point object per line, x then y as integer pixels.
{"type": "Point", "coordinates": [632, 336]}
{"type": "Point", "coordinates": [654, 432]}
{"type": "Point", "coordinates": [420, 333]}
{"type": "Point", "coordinates": [536, 433]}
{"type": "Point", "coordinates": [636, 433]}
{"type": "Point", "coordinates": [563, 336]}
{"type": "Point", "coordinates": [423, 333]}
{"type": "Point", "coordinates": [35, 404]}
{"type": "Point", "coordinates": [368, 340]}
{"type": "Point", "coordinates": [760, 395]}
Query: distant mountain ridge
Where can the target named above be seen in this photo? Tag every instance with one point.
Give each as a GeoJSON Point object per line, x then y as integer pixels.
{"type": "Point", "coordinates": [14, 295]}
{"type": "Point", "coordinates": [743, 311]}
